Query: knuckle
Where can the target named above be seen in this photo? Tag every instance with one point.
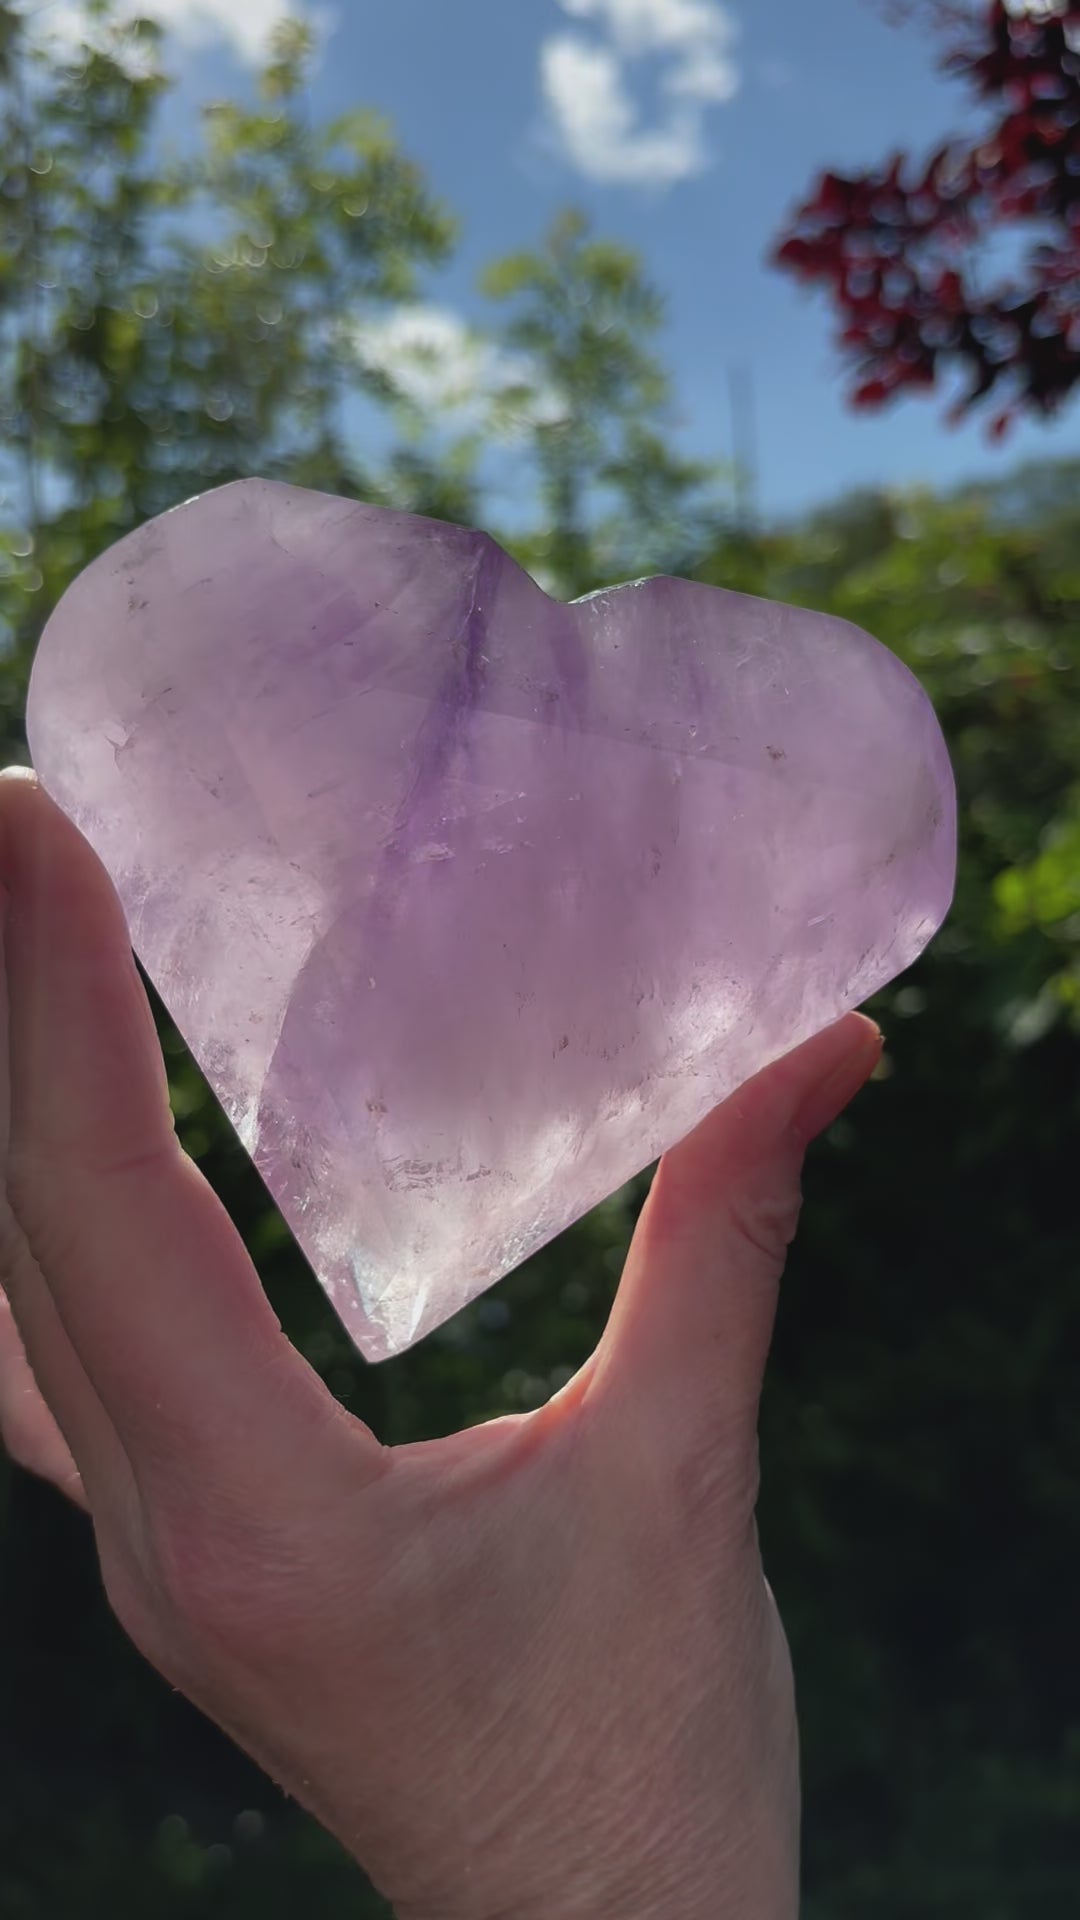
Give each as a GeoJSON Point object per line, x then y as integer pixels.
{"type": "Point", "coordinates": [137, 1605]}
{"type": "Point", "coordinates": [189, 1585]}
{"type": "Point", "coordinates": [227, 1590]}
{"type": "Point", "coordinates": [34, 1231]}
{"type": "Point", "coordinates": [166, 1584]}
{"type": "Point", "coordinates": [715, 1487]}
{"type": "Point", "coordinates": [194, 1574]}
{"type": "Point", "coordinates": [765, 1219]}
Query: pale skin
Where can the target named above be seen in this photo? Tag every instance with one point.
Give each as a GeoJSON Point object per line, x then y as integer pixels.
{"type": "Point", "coordinates": [533, 1670]}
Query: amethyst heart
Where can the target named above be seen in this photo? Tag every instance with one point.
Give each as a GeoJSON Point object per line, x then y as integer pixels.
{"type": "Point", "coordinates": [469, 903]}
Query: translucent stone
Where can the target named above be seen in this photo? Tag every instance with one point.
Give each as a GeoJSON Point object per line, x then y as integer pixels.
{"type": "Point", "coordinates": [469, 903]}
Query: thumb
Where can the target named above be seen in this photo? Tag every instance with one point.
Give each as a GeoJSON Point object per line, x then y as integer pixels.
{"type": "Point", "coordinates": [689, 1335]}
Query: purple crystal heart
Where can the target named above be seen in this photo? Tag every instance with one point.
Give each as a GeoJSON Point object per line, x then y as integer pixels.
{"type": "Point", "coordinates": [469, 903]}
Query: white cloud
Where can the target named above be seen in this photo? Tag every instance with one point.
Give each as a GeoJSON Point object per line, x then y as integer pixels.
{"type": "Point", "coordinates": [695, 29]}
{"type": "Point", "coordinates": [246, 24]}
{"type": "Point", "coordinates": [453, 376]}
{"type": "Point", "coordinates": [598, 123]}
{"type": "Point", "coordinates": [587, 93]}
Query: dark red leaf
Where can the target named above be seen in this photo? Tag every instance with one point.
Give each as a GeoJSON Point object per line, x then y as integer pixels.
{"type": "Point", "coordinates": [899, 261]}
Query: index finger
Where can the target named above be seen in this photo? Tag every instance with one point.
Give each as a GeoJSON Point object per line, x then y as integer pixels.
{"type": "Point", "coordinates": [149, 1278]}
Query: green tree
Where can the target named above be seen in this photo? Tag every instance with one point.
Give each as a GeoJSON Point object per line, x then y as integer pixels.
{"type": "Point", "coordinates": [313, 226]}
{"type": "Point", "coordinates": [166, 331]}
{"type": "Point", "coordinates": [75, 197]}
{"type": "Point", "coordinates": [614, 496]}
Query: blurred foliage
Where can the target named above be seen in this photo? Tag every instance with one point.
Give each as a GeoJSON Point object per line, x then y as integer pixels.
{"type": "Point", "coordinates": [921, 1442]}
{"type": "Point", "coordinates": [584, 317]}
{"type": "Point", "coordinates": [168, 327]}
{"type": "Point", "coordinates": [162, 327]}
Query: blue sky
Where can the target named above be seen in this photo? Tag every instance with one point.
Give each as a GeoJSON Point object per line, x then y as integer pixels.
{"type": "Point", "coordinates": [688, 128]}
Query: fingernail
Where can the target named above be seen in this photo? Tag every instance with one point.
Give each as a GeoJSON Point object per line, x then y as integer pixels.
{"type": "Point", "coordinates": [19, 773]}
{"type": "Point", "coordinates": [826, 1102]}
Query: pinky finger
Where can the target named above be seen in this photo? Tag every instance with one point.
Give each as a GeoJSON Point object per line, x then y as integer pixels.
{"type": "Point", "coordinates": [29, 1432]}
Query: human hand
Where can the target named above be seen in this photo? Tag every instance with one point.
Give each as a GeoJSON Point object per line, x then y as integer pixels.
{"type": "Point", "coordinates": [531, 1670]}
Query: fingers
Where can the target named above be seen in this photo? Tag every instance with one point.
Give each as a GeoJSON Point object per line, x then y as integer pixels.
{"type": "Point", "coordinates": [690, 1332]}
{"type": "Point", "coordinates": [36, 1438]}
{"type": "Point", "coordinates": [29, 1431]}
{"type": "Point", "coordinates": [143, 1318]}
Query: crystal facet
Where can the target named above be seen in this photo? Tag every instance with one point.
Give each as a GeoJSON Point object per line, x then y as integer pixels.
{"type": "Point", "coordinates": [470, 903]}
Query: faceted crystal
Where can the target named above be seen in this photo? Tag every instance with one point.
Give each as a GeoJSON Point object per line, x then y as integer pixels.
{"type": "Point", "coordinates": [469, 903]}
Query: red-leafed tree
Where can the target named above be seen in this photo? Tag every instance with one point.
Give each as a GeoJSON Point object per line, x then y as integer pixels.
{"type": "Point", "coordinates": [902, 249]}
